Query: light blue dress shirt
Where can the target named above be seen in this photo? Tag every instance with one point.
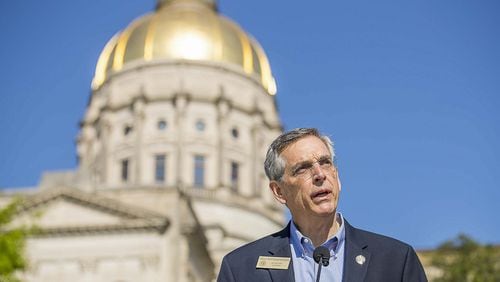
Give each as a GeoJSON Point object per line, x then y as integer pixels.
{"type": "Point", "coordinates": [304, 266]}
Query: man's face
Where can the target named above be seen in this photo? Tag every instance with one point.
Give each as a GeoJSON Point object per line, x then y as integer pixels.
{"type": "Point", "coordinates": [309, 186]}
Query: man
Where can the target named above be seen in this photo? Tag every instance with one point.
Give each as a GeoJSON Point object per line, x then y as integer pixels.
{"type": "Point", "coordinates": [299, 165]}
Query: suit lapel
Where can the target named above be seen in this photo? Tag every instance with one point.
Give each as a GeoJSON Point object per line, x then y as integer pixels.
{"type": "Point", "coordinates": [281, 248]}
{"type": "Point", "coordinates": [356, 257]}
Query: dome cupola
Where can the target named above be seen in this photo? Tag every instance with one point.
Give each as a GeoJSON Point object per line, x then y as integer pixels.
{"type": "Point", "coordinates": [190, 30]}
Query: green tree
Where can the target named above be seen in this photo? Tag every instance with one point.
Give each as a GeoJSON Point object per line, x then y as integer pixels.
{"type": "Point", "coordinates": [12, 241]}
{"type": "Point", "coordinates": [463, 259]}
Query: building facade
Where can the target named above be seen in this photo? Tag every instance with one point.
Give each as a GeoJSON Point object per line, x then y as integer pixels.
{"type": "Point", "coordinates": [171, 151]}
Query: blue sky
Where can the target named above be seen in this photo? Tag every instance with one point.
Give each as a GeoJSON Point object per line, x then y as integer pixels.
{"type": "Point", "coordinates": [408, 90]}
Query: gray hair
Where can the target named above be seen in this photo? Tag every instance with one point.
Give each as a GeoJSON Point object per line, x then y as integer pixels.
{"type": "Point", "coordinates": [274, 165]}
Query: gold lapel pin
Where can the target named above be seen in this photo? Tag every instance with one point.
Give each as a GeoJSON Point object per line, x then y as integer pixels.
{"type": "Point", "coordinates": [360, 259]}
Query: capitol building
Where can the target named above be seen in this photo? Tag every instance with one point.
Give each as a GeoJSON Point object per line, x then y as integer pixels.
{"type": "Point", "coordinates": [170, 150]}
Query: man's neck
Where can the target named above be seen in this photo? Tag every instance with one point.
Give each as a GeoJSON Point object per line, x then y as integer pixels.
{"type": "Point", "coordinates": [319, 229]}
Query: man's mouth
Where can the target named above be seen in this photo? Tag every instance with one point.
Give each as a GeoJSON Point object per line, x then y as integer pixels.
{"type": "Point", "coordinates": [321, 194]}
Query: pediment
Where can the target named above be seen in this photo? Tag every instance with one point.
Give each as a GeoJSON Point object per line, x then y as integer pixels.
{"type": "Point", "coordinates": [70, 210]}
{"type": "Point", "coordinates": [62, 212]}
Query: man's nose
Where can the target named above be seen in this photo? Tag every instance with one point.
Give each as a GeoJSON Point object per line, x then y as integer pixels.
{"type": "Point", "coordinates": [318, 173]}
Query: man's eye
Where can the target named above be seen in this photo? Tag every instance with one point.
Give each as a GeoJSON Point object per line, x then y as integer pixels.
{"type": "Point", "coordinates": [326, 162]}
{"type": "Point", "coordinates": [300, 170]}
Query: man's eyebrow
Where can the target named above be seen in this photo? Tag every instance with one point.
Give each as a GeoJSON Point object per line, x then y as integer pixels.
{"type": "Point", "coordinates": [309, 162]}
{"type": "Point", "coordinates": [300, 164]}
{"type": "Point", "coordinates": [325, 157]}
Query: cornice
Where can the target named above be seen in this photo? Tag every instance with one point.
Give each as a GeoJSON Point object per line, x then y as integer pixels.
{"type": "Point", "coordinates": [190, 98]}
{"type": "Point", "coordinates": [125, 227]}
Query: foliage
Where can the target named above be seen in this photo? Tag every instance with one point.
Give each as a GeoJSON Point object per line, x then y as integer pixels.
{"type": "Point", "coordinates": [12, 242]}
{"type": "Point", "coordinates": [463, 259]}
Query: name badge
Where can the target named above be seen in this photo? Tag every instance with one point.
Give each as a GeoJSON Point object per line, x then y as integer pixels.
{"type": "Point", "coordinates": [273, 262]}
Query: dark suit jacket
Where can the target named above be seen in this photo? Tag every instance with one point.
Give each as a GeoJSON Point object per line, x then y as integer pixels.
{"type": "Point", "coordinates": [387, 259]}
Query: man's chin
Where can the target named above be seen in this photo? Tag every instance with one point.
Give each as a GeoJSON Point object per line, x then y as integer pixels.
{"type": "Point", "coordinates": [325, 211]}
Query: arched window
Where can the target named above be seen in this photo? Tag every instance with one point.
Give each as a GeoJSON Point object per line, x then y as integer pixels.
{"type": "Point", "coordinates": [199, 171]}
{"type": "Point", "coordinates": [235, 176]}
{"type": "Point", "coordinates": [235, 133]}
{"type": "Point", "coordinates": [160, 168]}
{"type": "Point", "coordinates": [125, 163]}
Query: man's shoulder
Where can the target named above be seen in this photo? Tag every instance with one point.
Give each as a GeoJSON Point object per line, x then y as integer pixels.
{"type": "Point", "coordinates": [241, 264]}
{"type": "Point", "coordinates": [262, 245]}
{"type": "Point", "coordinates": [390, 259]}
{"type": "Point", "coordinates": [375, 240]}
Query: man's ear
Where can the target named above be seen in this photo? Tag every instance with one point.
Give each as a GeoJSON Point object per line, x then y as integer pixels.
{"type": "Point", "coordinates": [338, 179]}
{"type": "Point", "coordinates": [277, 192]}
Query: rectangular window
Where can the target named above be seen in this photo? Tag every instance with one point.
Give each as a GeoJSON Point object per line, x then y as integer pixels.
{"type": "Point", "coordinates": [124, 168]}
{"type": "Point", "coordinates": [199, 171]}
{"type": "Point", "coordinates": [235, 171]}
{"type": "Point", "coordinates": [160, 172]}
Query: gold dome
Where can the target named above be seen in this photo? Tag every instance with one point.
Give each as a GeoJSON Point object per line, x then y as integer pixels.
{"type": "Point", "coordinates": [185, 30]}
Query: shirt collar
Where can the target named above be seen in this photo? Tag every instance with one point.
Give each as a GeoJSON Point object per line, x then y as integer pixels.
{"type": "Point", "coordinates": [303, 246]}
